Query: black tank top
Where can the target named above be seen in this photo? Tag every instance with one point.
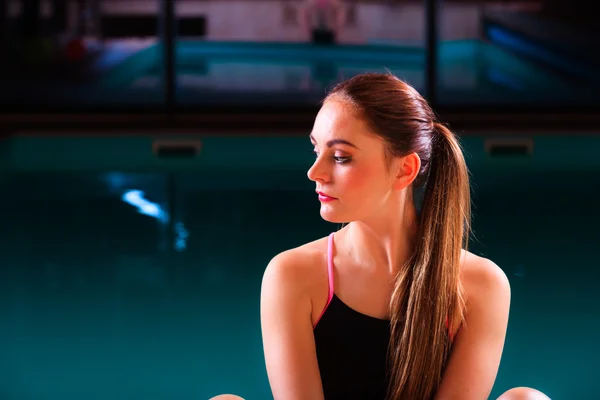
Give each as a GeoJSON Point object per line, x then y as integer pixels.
{"type": "Point", "coordinates": [352, 349]}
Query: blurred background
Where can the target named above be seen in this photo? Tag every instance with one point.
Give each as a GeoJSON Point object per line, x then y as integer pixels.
{"type": "Point", "coordinates": [153, 160]}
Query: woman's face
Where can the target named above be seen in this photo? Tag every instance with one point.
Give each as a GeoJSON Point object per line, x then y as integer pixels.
{"type": "Point", "coordinates": [352, 176]}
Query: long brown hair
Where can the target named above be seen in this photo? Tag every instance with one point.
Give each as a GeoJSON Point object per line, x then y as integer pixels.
{"type": "Point", "coordinates": [427, 299]}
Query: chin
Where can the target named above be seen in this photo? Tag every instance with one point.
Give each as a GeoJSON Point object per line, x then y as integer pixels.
{"type": "Point", "coordinates": [330, 215]}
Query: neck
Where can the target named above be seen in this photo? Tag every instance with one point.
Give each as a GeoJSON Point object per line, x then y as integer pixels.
{"type": "Point", "coordinates": [386, 240]}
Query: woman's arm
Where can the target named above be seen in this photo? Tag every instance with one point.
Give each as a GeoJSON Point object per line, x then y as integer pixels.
{"type": "Point", "coordinates": [287, 331]}
{"type": "Point", "coordinates": [477, 348]}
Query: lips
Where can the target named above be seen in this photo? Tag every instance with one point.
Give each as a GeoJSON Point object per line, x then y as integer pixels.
{"type": "Point", "coordinates": [325, 197]}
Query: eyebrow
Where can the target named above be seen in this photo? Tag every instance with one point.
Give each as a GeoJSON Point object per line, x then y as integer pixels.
{"type": "Point", "coordinates": [333, 142]}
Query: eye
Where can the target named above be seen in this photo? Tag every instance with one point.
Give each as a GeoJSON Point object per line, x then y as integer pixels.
{"type": "Point", "coordinates": [342, 160]}
{"type": "Point", "coordinates": [337, 159]}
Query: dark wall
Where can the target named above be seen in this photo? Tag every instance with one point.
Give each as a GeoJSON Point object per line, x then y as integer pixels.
{"type": "Point", "coordinates": [573, 11]}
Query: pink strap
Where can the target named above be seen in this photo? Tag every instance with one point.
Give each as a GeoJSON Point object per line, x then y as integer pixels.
{"type": "Point", "coordinates": [332, 286]}
{"type": "Point", "coordinates": [329, 276]}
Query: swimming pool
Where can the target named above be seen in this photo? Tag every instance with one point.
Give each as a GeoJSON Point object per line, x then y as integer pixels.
{"type": "Point", "coordinates": [126, 275]}
{"type": "Point", "coordinates": [470, 73]}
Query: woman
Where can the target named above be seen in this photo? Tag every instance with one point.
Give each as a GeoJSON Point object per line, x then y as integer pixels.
{"type": "Point", "coordinates": [392, 304]}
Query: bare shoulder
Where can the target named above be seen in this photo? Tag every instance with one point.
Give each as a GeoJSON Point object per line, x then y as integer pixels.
{"type": "Point", "coordinates": [299, 268]}
{"type": "Point", "coordinates": [482, 279]}
{"type": "Point", "coordinates": [286, 310]}
{"type": "Point", "coordinates": [478, 344]}
{"type": "Point", "coordinates": [289, 282]}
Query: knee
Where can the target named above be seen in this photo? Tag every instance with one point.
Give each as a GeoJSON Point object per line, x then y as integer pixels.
{"type": "Point", "coordinates": [226, 397]}
{"type": "Point", "coordinates": [523, 393]}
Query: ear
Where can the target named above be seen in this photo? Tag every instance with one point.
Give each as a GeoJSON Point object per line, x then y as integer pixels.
{"type": "Point", "coordinates": [407, 168]}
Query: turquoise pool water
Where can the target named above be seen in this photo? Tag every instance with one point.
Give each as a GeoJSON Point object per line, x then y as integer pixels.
{"type": "Point", "coordinates": [125, 276]}
{"type": "Point", "coordinates": [470, 72]}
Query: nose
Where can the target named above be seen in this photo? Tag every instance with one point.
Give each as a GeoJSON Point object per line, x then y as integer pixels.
{"type": "Point", "coordinates": [318, 172]}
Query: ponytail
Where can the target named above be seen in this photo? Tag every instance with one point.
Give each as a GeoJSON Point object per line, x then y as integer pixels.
{"type": "Point", "coordinates": [427, 300]}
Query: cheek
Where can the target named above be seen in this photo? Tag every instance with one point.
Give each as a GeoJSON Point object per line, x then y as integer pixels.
{"type": "Point", "coordinates": [360, 182]}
